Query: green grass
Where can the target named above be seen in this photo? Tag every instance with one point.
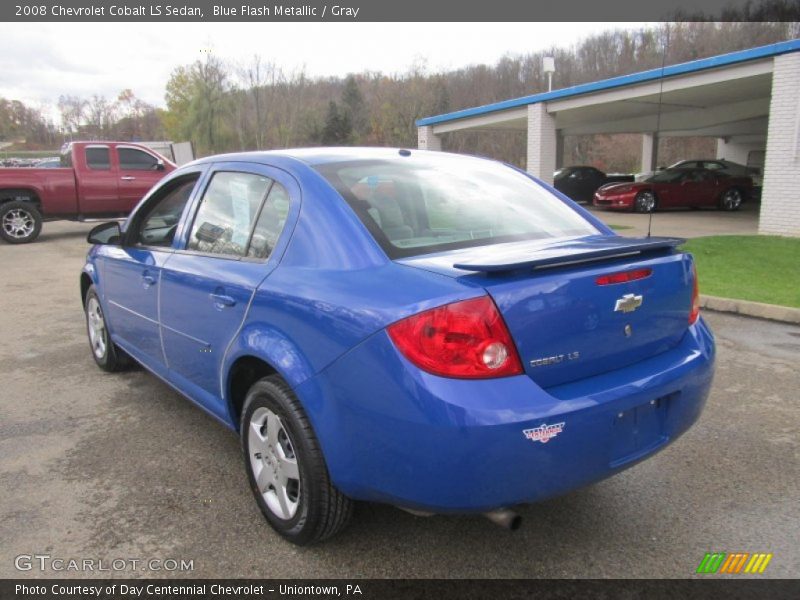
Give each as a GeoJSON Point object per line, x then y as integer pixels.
{"type": "Point", "coordinates": [619, 227]}
{"type": "Point", "coordinates": [760, 268]}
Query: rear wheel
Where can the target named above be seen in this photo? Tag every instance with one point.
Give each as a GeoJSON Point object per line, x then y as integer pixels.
{"type": "Point", "coordinates": [731, 199]}
{"type": "Point", "coordinates": [20, 222]}
{"type": "Point", "coordinates": [645, 202]}
{"type": "Point", "coordinates": [285, 466]}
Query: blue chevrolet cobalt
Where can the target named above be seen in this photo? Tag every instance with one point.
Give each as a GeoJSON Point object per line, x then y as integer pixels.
{"type": "Point", "coordinates": [438, 332]}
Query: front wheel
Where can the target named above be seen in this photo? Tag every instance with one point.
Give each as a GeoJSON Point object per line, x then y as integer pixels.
{"type": "Point", "coordinates": [731, 200]}
{"type": "Point", "coordinates": [105, 352]}
{"type": "Point", "coordinates": [285, 466]}
{"type": "Point", "coordinates": [645, 202]}
{"type": "Point", "coordinates": [20, 222]}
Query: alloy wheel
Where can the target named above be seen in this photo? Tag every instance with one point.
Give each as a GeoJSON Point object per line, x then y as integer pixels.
{"type": "Point", "coordinates": [646, 202]}
{"type": "Point", "coordinates": [274, 463]}
{"type": "Point", "coordinates": [97, 327]}
{"type": "Point", "coordinates": [18, 223]}
{"type": "Point", "coordinates": [732, 200]}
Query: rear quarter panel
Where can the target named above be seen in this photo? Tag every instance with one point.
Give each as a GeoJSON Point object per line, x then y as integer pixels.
{"type": "Point", "coordinates": [54, 187]}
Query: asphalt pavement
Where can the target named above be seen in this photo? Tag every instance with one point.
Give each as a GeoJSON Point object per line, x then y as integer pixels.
{"type": "Point", "coordinates": [104, 466]}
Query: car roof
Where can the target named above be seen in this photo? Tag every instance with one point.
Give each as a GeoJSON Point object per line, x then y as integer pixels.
{"type": "Point", "coordinates": [318, 156]}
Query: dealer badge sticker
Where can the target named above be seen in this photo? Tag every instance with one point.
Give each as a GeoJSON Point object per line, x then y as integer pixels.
{"type": "Point", "coordinates": [544, 433]}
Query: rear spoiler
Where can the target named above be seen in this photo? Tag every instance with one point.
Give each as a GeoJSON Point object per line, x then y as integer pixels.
{"type": "Point", "coordinates": [576, 251]}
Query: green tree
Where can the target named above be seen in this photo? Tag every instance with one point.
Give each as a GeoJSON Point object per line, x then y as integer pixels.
{"type": "Point", "coordinates": [198, 102]}
{"type": "Point", "coordinates": [354, 107]}
{"type": "Point", "coordinates": [338, 129]}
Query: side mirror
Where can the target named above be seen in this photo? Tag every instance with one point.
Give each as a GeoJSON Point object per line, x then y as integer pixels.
{"type": "Point", "coordinates": [160, 165]}
{"type": "Point", "coordinates": [105, 234]}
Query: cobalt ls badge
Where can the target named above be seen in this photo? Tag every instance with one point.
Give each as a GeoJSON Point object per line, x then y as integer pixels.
{"type": "Point", "coordinates": [543, 433]}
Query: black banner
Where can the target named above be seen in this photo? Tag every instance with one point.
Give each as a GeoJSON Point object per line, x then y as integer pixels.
{"type": "Point", "coordinates": [396, 11]}
{"type": "Point", "coordinates": [379, 589]}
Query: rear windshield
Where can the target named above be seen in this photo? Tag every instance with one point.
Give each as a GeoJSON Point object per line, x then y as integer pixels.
{"type": "Point", "coordinates": [422, 204]}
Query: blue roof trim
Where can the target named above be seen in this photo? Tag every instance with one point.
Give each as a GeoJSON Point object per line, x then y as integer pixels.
{"type": "Point", "coordinates": [623, 80]}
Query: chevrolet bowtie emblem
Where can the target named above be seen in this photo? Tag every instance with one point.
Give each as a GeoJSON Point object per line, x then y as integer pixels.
{"type": "Point", "coordinates": [628, 303]}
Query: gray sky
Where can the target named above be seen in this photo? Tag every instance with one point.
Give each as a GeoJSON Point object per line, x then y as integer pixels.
{"type": "Point", "coordinates": [41, 61]}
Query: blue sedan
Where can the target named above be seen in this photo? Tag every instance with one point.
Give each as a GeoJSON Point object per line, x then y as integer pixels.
{"type": "Point", "coordinates": [442, 333]}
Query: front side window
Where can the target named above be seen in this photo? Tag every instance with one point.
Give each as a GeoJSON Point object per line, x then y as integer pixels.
{"type": "Point", "coordinates": [227, 213]}
{"type": "Point", "coordinates": [669, 176]}
{"type": "Point", "coordinates": [98, 158]}
{"type": "Point", "coordinates": [159, 222]}
{"type": "Point", "coordinates": [132, 159]}
{"type": "Point", "coordinates": [422, 204]}
{"type": "Point", "coordinates": [700, 176]}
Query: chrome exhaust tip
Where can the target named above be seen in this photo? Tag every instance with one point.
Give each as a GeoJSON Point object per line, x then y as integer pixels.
{"type": "Point", "coordinates": [505, 518]}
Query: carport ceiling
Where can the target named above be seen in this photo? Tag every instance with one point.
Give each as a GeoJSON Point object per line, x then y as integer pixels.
{"type": "Point", "coordinates": [717, 102]}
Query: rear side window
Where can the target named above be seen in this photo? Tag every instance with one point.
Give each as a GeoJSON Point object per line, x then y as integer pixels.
{"type": "Point", "coordinates": [66, 158]}
{"type": "Point", "coordinates": [227, 214]}
{"type": "Point", "coordinates": [270, 222]}
{"type": "Point", "coordinates": [132, 159]}
{"type": "Point", "coordinates": [422, 204]}
{"type": "Point", "coordinates": [98, 158]}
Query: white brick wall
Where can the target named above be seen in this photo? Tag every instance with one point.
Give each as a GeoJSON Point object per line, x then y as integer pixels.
{"type": "Point", "coordinates": [427, 140]}
{"type": "Point", "coordinates": [780, 202]}
{"type": "Point", "coordinates": [541, 142]}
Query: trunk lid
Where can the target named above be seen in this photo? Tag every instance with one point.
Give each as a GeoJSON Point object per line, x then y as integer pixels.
{"type": "Point", "coordinates": [565, 325]}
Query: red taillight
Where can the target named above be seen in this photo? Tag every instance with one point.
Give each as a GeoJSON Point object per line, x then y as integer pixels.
{"type": "Point", "coordinates": [466, 339]}
{"type": "Point", "coordinates": [695, 312]}
{"type": "Point", "coordinates": [623, 277]}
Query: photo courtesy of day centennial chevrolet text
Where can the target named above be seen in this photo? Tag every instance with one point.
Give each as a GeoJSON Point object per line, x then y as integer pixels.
{"type": "Point", "coordinates": [438, 332]}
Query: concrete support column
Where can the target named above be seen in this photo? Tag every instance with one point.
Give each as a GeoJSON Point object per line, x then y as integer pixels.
{"type": "Point", "coordinates": [779, 198]}
{"type": "Point", "coordinates": [649, 152]}
{"type": "Point", "coordinates": [559, 149]}
{"type": "Point", "coordinates": [427, 140]}
{"type": "Point", "coordinates": [541, 142]}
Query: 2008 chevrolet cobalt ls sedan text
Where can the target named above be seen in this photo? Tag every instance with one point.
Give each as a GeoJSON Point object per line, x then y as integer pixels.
{"type": "Point", "coordinates": [438, 332]}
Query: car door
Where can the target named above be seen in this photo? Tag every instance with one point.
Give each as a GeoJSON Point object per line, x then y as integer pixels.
{"type": "Point", "coordinates": [207, 285]}
{"type": "Point", "coordinates": [138, 172]}
{"type": "Point", "coordinates": [98, 189]}
{"type": "Point", "coordinates": [573, 184]}
{"type": "Point", "coordinates": [679, 191]}
{"type": "Point", "coordinates": [132, 271]}
{"type": "Point", "coordinates": [593, 180]}
{"type": "Point", "coordinates": [702, 189]}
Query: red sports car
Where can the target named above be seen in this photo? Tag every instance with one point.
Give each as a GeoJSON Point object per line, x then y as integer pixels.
{"type": "Point", "coordinates": [676, 188]}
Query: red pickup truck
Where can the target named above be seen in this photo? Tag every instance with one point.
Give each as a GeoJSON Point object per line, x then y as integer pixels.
{"type": "Point", "coordinates": [97, 180]}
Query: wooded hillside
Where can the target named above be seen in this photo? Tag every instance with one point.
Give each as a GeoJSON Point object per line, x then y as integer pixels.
{"type": "Point", "coordinates": [257, 104]}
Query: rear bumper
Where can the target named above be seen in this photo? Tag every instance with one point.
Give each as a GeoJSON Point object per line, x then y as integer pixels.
{"type": "Point", "coordinates": [391, 433]}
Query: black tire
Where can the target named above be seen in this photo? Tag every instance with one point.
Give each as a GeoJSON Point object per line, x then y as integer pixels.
{"type": "Point", "coordinates": [321, 511]}
{"type": "Point", "coordinates": [645, 202]}
{"type": "Point", "coordinates": [731, 199]}
{"type": "Point", "coordinates": [109, 357]}
{"type": "Point", "coordinates": [20, 222]}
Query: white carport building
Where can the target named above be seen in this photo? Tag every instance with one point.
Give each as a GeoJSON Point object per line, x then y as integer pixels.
{"type": "Point", "coordinates": [749, 100]}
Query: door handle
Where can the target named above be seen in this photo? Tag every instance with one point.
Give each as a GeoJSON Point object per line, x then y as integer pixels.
{"type": "Point", "coordinates": [128, 178]}
{"type": "Point", "coordinates": [148, 280]}
{"type": "Point", "coordinates": [222, 300]}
